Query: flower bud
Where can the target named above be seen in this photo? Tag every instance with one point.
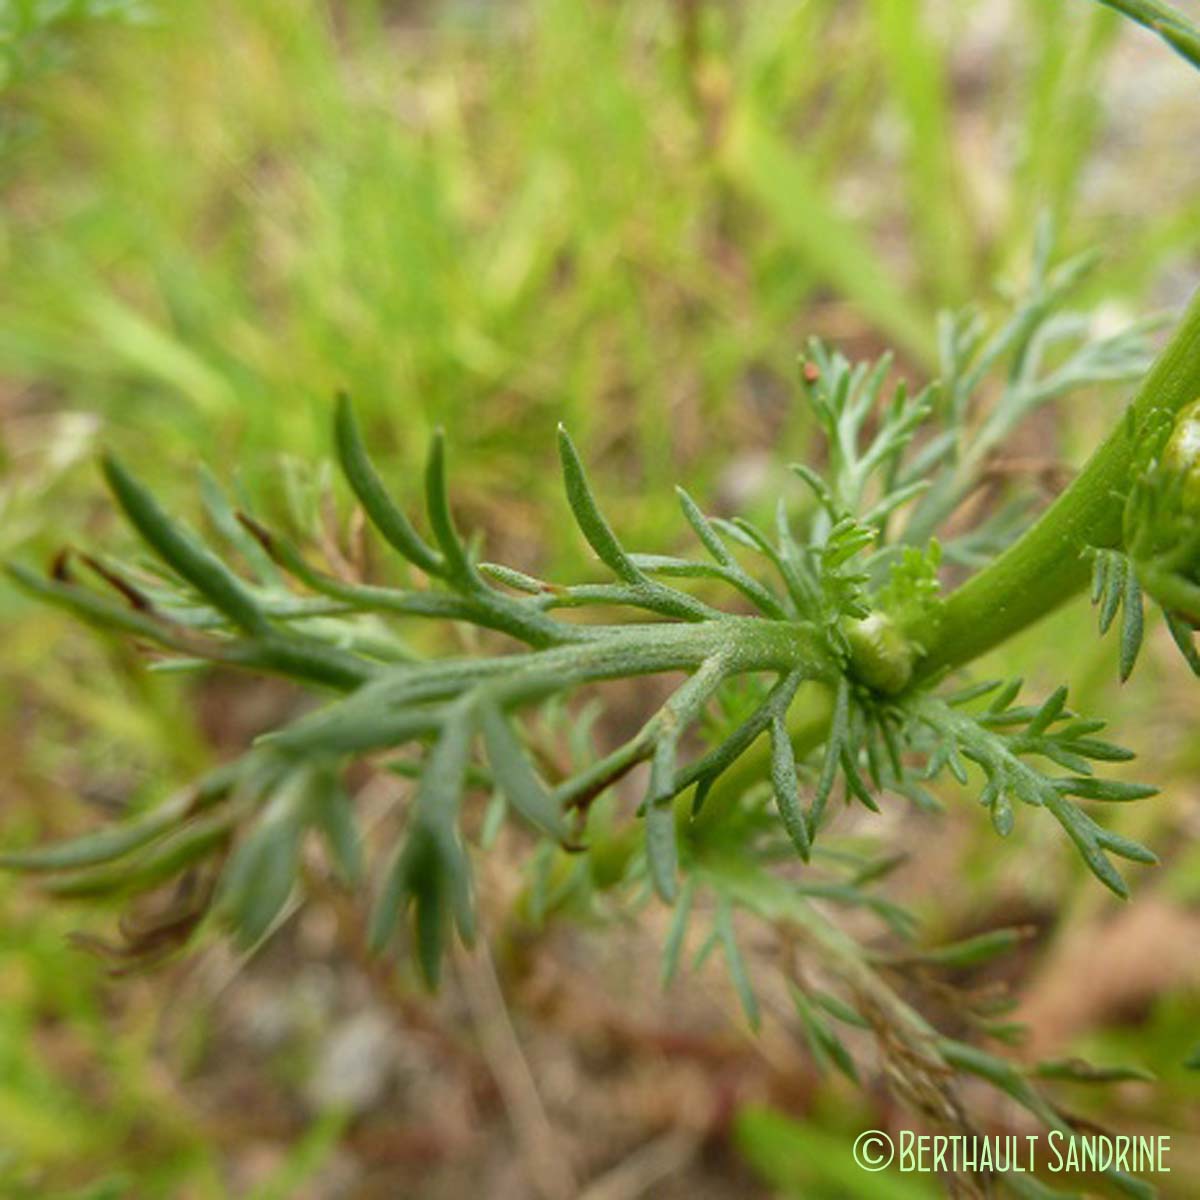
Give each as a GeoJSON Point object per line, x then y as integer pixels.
{"type": "Point", "coordinates": [880, 655]}
{"type": "Point", "coordinates": [1182, 454]}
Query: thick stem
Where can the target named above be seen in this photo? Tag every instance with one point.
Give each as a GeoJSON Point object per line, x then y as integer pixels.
{"type": "Point", "coordinates": [1045, 566]}
{"type": "Point", "coordinates": [1040, 571]}
{"type": "Point", "coordinates": [1169, 23]}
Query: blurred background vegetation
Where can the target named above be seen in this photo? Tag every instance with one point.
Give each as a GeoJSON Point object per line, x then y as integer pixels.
{"type": "Point", "coordinates": [627, 216]}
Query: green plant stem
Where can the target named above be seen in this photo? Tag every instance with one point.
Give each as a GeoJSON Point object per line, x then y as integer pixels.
{"type": "Point", "coordinates": [1169, 23]}
{"type": "Point", "coordinates": [400, 704]}
{"type": "Point", "coordinates": [1042, 570]}
{"type": "Point", "coordinates": [1046, 566]}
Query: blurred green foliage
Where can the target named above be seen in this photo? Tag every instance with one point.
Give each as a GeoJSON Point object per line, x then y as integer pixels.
{"type": "Point", "coordinates": [492, 217]}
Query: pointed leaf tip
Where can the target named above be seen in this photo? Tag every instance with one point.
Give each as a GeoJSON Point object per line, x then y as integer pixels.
{"type": "Point", "coordinates": [378, 504]}
{"type": "Point", "coordinates": [457, 563]}
{"type": "Point", "coordinates": [181, 550]}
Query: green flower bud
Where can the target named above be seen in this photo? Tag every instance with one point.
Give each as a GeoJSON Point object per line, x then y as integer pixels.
{"type": "Point", "coordinates": [1182, 453]}
{"type": "Point", "coordinates": [880, 655]}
